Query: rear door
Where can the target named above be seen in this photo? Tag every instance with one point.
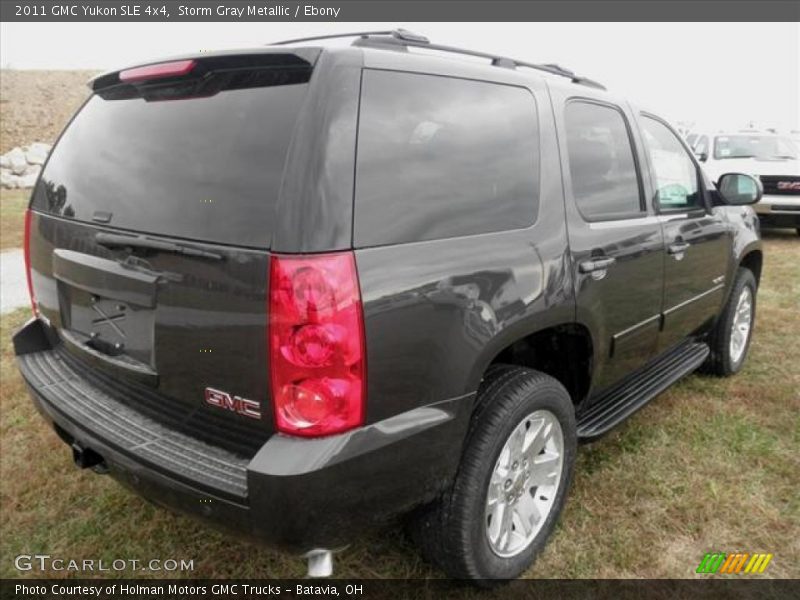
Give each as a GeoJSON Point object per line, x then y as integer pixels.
{"type": "Point", "coordinates": [150, 233]}
{"type": "Point", "coordinates": [616, 243]}
{"type": "Point", "coordinates": [696, 237]}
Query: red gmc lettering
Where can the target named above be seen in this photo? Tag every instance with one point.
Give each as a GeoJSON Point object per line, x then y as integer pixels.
{"type": "Point", "coordinates": [237, 404]}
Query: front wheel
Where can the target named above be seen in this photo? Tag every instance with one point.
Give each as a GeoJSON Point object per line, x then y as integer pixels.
{"type": "Point", "coordinates": [512, 482]}
{"type": "Point", "coordinates": [730, 339]}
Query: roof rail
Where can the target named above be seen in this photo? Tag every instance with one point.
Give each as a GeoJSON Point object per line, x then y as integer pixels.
{"type": "Point", "coordinates": [402, 39]}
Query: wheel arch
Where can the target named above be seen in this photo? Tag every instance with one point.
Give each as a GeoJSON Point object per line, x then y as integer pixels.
{"type": "Point", "coordinates": [753, 259]}
{"type": "Point", "coordinates": [545, 349]}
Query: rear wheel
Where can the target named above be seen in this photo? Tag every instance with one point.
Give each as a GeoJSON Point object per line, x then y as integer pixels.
{"type": "Point", "coordinates": [512, 482]}
{"type": "Point", "coordinates": [730, 339]}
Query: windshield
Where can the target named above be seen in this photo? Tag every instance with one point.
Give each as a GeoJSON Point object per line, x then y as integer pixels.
{"type": "Point", "coordinates": [764, 147]}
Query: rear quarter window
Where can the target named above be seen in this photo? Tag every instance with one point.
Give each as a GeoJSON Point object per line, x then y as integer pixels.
{"type": "Point", "coordinates": [605, 182]}
{"type": "Point", "coordinates": [441, 157]}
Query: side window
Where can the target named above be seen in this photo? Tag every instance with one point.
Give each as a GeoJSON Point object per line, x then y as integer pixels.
{"type": "Point", "coordinates": [441, 157]}
{"type": "Point", "coordinates": [674, 171]}
{"type": "Point", "coordinates": [605, 183]}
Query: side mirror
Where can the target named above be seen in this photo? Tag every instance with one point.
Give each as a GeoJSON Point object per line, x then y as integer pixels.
{"type": "Point", "coordinates": [738, 189]}
{"type": "Point", "coordinates": [702, 156]}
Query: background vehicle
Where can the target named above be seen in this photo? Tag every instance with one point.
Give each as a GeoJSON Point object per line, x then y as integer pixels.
{"type": "Point", "coordinates": [413, 286]}
{"type": "Point", "coordinates": [772, 158]}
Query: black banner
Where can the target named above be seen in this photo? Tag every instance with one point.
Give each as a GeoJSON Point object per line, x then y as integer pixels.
{"type": "Point", "coordinates": [400, 10]}
{"type": "Point", "coordinates": [210, 589]}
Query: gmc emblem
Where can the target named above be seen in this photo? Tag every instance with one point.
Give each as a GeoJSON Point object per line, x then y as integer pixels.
{"type": "Point", "coordinates": [786, 186]}
{"type": "Point", "coordinates": [237, 404]}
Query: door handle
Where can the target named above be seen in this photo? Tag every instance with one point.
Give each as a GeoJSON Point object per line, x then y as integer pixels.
{"type": "Point", "coordinates": [596, 264]}
{"type": "Point", "coordinates": [678, 247]}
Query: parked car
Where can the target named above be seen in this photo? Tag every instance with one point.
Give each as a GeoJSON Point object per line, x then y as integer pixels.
{"type": "Point", "coordinates": [701, 142]}
{"type": "Point", "coordinates": [296, 291]}
{"type": "Point", "coordinates": [772, 158]}
{"type": "Point", "coordinates": [698, 141]}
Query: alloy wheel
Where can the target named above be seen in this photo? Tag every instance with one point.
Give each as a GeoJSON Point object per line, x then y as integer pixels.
{"type": "Point", "coordinates": [524, 483]}
{"type": "Point", "coordinates": [742, 324]}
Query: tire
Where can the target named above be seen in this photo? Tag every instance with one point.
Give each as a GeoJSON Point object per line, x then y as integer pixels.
{"type": "Point", "coordinates": [798, 230]}
{"type": "Point", "coordinates": [723, 361]}
{"type": "Point", "coordinates": [453, 532]}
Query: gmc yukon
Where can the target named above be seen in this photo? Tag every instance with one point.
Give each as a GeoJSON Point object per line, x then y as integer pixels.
{"type": "Point", "coordinates": [299, 290]}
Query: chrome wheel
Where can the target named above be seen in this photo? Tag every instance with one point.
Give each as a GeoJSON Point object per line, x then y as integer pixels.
{"type": "Point", "coordinates": [524, 483]}
{"type": "Point", "coordinates": [742, 323]}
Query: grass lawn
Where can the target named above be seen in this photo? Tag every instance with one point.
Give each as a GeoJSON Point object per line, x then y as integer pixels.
{"type": "Point", "coordinates": [711, 465]}
{"type": "Point", "coordinates": [12, 214]}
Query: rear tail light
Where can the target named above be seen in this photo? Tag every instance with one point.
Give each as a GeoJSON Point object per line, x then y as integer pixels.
{"type": "Point", "coordinates": [177, 68]}
{"type": "Point", "coordinates": [316, 343]}
{"type": "Point", "coordinates": [27, 255]}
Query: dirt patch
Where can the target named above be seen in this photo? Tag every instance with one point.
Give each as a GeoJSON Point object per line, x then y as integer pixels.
{"type": "Point", "coordinates": [36, 105]}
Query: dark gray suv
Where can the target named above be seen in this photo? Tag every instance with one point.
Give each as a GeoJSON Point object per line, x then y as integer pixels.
{"type": "Point", "coordinates": [298, 290]}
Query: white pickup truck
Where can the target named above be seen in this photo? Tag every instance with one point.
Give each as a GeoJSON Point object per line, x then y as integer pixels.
{"type": "Point", "coordinates": [772, 158]}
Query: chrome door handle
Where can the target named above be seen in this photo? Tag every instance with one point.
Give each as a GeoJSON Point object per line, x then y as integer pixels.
{"type": "Point", "coordinates": [596, 264]}
{"type": "Point", "coordinates": [678, 247]}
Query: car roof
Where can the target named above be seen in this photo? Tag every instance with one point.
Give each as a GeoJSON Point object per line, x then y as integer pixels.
{"type": "Point", "coordinates": [403, 50]}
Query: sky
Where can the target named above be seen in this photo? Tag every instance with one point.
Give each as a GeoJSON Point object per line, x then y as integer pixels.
{"type": "Point", "coordinates": [714, 75]}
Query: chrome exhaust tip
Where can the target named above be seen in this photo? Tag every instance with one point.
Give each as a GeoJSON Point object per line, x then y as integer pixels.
{"type": "Point", "coordinates": [320, 563]}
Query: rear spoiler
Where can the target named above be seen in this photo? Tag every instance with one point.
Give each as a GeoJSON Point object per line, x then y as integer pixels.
{"type": "Point", "coordinates": [267, 58]}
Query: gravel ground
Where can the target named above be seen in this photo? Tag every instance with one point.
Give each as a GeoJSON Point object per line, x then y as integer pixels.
{"type": "Point", "coordinates": [36, 105]}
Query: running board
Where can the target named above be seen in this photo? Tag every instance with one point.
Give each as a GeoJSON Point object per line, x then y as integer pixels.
{"type": "Point", "coordinates": [620, 402]}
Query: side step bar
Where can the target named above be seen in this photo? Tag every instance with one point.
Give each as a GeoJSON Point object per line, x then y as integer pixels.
{"type": "Point", "coordinates": [620, 402]}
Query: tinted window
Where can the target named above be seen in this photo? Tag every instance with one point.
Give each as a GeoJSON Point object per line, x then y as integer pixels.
{"type": "Point", "coordinates": [675, 173]}
{"type": "Point", "coordinates": [203, 167]}
{"type": "Point", "coordinates": [601, 164]}
{"type": "Point", "coordinates": [441, 157]}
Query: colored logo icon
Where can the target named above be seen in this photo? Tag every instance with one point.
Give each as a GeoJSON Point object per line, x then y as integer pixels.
{"type": "Point", "coordinates": [739, 562]}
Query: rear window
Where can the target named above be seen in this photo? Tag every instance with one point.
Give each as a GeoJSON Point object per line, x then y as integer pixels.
{"type": "Point", "coordinates": [206, 168]}
{"type": "Point", "coordinates": [440, 157]}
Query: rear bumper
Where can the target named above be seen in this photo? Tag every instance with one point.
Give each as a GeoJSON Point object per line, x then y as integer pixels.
{"type": "Point", "coordinates": [295, 494]}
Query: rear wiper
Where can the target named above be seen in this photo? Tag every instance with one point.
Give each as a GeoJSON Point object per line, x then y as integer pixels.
{"type": "Point", "coordinates": [112, 240]}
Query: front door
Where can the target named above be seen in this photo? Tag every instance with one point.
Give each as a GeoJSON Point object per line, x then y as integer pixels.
{"type": "Point", "coordinates": [696, 238]}
{"type": "Point", "coordinates": [615, 241]}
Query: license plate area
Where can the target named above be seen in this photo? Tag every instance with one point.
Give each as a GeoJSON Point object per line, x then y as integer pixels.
{"type": "Point", "coordinates": [108, 325]}
{"type": "Point", "coordinates": [107, 309]}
